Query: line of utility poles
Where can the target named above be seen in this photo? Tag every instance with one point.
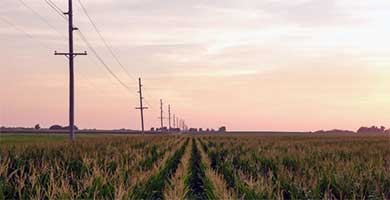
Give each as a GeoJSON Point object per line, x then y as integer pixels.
{"type": "Point", "coordinates": [181, 124]}
{"type": "Point", "coordinates": [70, 55]}
{"type": "Point", "coordinates": [177, 122]}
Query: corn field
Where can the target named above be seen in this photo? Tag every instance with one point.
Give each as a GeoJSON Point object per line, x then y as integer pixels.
{"type": "Point", "coordinates": [196, 167]}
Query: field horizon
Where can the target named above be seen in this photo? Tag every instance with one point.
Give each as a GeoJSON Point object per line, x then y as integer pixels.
{"type": "Point", "coordinates": [195, 166]}
{"type": "Point", "coordinates": [195, 100]}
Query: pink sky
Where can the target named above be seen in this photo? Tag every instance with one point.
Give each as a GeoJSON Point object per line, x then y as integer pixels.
{"type": "Point", "coordinates": [249, 65]}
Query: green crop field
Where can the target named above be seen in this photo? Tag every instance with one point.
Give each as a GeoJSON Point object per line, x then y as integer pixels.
{"type": "Point", "coordinates": [195, 167]}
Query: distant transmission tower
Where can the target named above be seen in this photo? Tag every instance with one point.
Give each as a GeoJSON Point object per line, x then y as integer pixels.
{"type": "Point", "coordinates": [70, 55]}
{"type": "Point", "coordinates": [141, 107]}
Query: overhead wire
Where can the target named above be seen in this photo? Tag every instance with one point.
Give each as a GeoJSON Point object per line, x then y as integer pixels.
{"type": "Point", "coordinates": [60, 12]}
{"type": "Point", "coordinates": [41, 44]}
{"type": "Point", "coordinates": [56, 9]}
{"type": "Point", "coordinates": [30, 36]}
{"type": "Point", "coordinates": [89, 45]}
{"type": "Point", "coordinates": [44, 20]}
{"type": "Point", "coordinates": [108, 45]}
{"type": "Point", "coordinates": [100, 59]}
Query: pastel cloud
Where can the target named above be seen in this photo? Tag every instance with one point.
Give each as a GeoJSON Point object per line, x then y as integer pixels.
{"type": "Point", "coordinates": [247, 64]}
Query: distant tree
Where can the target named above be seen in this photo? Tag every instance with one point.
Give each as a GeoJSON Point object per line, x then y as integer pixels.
{"type": "Point", "coordinates": [67, 128]}
{"type": "Point", "coordinates": [37, 127]}
{"type": "Point", "coordinates": [222, 129]}
{"type": "Point", "coordinates": [55, 127]}
{"type": "Point", "coordinates": [372, 129]}
{"type": "Point", "coordinates": [334, 131]}
{"type": "Point", "coordinates": [193, 130]}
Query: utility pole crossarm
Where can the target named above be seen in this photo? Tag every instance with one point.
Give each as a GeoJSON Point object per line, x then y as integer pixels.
{"type": "Point", "coordinates": [141, 108]}
{"type": "Point", "coordinates": [68, 54]}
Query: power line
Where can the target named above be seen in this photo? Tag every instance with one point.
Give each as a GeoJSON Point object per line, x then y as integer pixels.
{"type": "Point", "coordinates": [23, 31]}
{"type": "Point", "coordinates": [30, 36]}
{"type": "Point", "coordinates": [41, 18]}
{"type": "Point", "coordinates": [70, 54]}
{"type": "Point", "coordinates": [56, 9]}
{"type": "Point", "coordinates": [101, 60]}
{"type": "Point", "coordinates": [147, 102]}
{"type": "Point", "coordinates": [47, 23]}
{"type": "Point", "coordinates": [33, 38]}
{"type": "Point", "coordinates": [60, 12]}
{"type": "Point", "coordinates": [107, 44]}
{"type": "Point", "coordinates": [148, 94]}
{"type": "Point", "coordinates": [41, 44]}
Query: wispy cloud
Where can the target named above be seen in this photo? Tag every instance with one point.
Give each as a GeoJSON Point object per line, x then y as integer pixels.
{"type": "Point", "coordinates": [272, 58]}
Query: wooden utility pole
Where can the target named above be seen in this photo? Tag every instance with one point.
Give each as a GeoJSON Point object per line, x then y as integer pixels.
{"type": "Point", "coordinates": [161, 114]}
{"type": "Point", "coordinates": [174, 121]}
{"type": "Point", "coordinates": [177, 122]}
{"type": "Point", "coordinates": [169, 117]}
{"type": "Point", "coordinates": [70, 55]}
{"type": "Point", "coordinates": [141, 107]}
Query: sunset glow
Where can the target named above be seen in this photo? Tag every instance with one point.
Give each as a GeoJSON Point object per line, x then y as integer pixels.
{"type": "Point", "coordinates": [249, 65]}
